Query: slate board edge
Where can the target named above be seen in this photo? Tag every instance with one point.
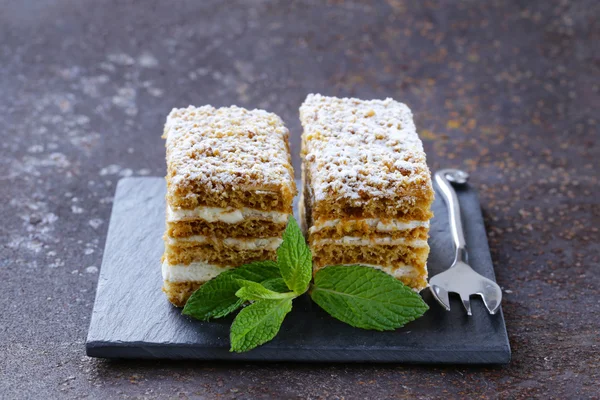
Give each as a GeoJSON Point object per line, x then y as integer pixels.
{"type": "Point", "coordinates": [497, 355]}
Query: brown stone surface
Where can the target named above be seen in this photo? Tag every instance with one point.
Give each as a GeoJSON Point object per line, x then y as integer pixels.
{"type": "Point", "coordinates": [506, 90]}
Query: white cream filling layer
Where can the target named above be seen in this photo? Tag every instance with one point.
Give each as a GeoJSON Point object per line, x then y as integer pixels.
{"type": "Point", "coordinates": [194, 272]}
{"type": "Point", "coordinates": [362, 241]}
{"type": "Point", "coordinates": [380, 226]}
{"type": "Point", "coordinates": [241, 244]}
{"type": "Point", "coordinates": [227, 215]}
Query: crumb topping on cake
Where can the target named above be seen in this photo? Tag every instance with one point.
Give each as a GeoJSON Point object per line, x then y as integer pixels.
{"type": "Point", "coordinates": [361, 149]}
{"type": "Point", "coordinates": [225, 148]}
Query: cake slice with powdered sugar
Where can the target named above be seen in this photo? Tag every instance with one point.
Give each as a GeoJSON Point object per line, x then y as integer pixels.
{"type": "Point", "coordinates": [367, 190]}
{"type": "Point", "coordinates": [230, 186]}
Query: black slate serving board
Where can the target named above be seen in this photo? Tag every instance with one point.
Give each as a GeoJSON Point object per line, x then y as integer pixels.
{"type": "Point", "coordinates": [133, 319]}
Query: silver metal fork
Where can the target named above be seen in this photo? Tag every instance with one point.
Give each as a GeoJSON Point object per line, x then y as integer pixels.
{"type": "Point", "coordinates": [460, 277]}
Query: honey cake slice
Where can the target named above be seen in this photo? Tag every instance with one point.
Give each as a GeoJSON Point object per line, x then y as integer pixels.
{"type": "Point", "coordinates": [367, 190]}
{"type": "Point", "coordinates": [230, 188]}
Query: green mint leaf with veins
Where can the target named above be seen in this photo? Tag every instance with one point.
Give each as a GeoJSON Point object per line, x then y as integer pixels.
{"type": "Point", "coordinates": [256, 291]}
{"type": "Point", "coordinates": [216, 298]}
{"type": "Point", "coordinates": [258, 323]}
{"type": "Point", "coordinates": [366, 298]}
{"type": "Point", "coordinates": [276, 285]}
{"type": "Point", "coordinates": [294, 258]}
{"type": "Point", "coordinates": [257, 271]}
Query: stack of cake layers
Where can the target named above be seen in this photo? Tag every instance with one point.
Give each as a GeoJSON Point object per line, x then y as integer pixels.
{"type": "Point", "coordinates": [230, 188]}
{"type": "Point", "coordinates": [367, 190]}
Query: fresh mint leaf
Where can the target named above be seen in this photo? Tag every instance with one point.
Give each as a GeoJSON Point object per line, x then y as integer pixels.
{"type": "Point", "coordinates": [255, 291]}
{"type": "Point", "coordinates": [257, 271]}
{"type": "Point", "coordinates": [276, 285]}
{"type": "Point", "coordinates": [258, 323]}
{"type": "Point", "coordinates": [294, 258]}
{"type": "Point", "coordinates": [216, 298]}
{"type": "Point", "coordinates": [366, 298]}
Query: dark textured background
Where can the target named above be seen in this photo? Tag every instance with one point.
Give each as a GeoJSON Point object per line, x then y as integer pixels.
{"type": "Point", "coordinates": [508, 90]}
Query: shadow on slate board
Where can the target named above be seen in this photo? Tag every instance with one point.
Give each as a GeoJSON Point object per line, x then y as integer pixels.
{"type": "Point", "coordinates": [132, 318]}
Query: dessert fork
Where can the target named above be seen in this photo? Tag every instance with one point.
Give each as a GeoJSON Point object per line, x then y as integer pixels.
{"type": "Point", "coordinates": [460, 277]}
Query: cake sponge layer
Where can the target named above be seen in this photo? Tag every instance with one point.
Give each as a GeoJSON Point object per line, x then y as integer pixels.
{"type": "Point", "coordinates": [228, 157]}
{"type": "Point", "coordinates": [249, 228]}
{"type": "Point", "coordinates": [363, 159]}
{"type": "Point", "coordinates": [178, 293]}
{"type": "Point", "coordinates": [186, 253]}
{"type": "Point", "coordinates": [383, 255]}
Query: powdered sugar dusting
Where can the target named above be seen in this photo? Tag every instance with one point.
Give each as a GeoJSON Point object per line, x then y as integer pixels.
{"type": "Point", "coordinates": [227, 147]}
{"type": "Point", "coordinates": [360, 149]}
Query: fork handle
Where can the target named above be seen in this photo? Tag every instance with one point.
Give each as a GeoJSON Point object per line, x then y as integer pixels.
{"type": "Point", "coordinates": [443, 178]}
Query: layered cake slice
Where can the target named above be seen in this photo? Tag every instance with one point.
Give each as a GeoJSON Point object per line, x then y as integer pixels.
{"type": "Point", "coordinates": [230, 187]}
{"type": "Point", "coordinates": [367, 189]}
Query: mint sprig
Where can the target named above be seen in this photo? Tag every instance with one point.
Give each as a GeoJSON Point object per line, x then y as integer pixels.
{"type": "Point", "coordinates": [359, 296]}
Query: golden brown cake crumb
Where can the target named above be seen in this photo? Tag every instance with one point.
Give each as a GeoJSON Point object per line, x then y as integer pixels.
{"type": "Point", "coordinates": [228, 157]}
{"type": "Point", "coordinates": [178, 293]}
